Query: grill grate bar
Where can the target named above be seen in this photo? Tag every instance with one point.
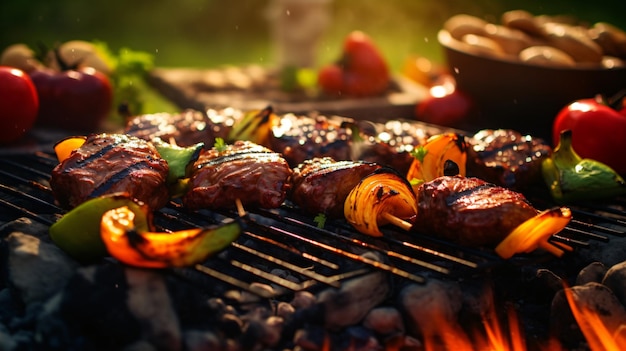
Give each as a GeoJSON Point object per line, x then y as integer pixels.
{"type": "Point", "coordinates": [268, 276]}
{"type": "Point", "coordinates": [304, 271]}
{"type": "Point", "coordinates": [374, 247]}
{"type": "Point", "coordinates": [321, 256]}
{"type": "Point", "coordinates": [353, 256]}
{"type": "Point", "coordinates": [293, 250]}
{"type": "Point", "coordinates": [592, 226]}
{"type": "Point", "coordinates": [230, 280]}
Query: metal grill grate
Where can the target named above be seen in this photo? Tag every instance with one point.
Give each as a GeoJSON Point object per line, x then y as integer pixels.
{"type": "Point", "coordinates": [287, 241]}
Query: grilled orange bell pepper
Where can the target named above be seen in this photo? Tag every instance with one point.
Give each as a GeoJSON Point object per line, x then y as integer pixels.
{"type": "Point", "coordinates": [64, 148]}
{"type": "Point", "coordinates": [442, 154]}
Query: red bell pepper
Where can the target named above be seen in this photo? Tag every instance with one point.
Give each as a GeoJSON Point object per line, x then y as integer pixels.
{"type": "Point", "coordinates": [599, 129]}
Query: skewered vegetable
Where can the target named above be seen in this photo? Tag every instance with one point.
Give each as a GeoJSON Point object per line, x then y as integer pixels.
{"type": "Point", "coordinates": [64, 148]}
{"type": "Point", "coordinates": [124, 232]}
{"type": "Point", "coordinates": [535, 232]}
{"type": "Point", "coordinates": [381, 198]}
{"type": "Point", "coordinates": [179, 159]}
{"type": "Point", "coordinates": [573, 178]}
{"type": "Point", "coordinates": [255, 126]}
{"type": "Point", "coordinates": [432, 158]}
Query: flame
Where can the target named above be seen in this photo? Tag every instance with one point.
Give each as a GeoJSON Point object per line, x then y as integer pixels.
{"type": "Point", "coordinates": [496, 334]}
{"type": "Point", "coordinates": [596, 333]}
{"type": "Point", "coordinates": [504, 333]}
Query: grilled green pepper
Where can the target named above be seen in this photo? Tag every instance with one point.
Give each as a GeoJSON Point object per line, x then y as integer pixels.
{"type": "Point", "coordinates": [78, 231]}
{"type": "Point", "coordinates": [572, 178]}
{"type": "Point", "coordinates": [179, 159]}
{"type": "Point", "coordinates": [123, 231]}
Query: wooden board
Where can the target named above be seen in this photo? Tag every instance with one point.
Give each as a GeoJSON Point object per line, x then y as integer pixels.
{"type": "Point", "coordinates": [253, 87]}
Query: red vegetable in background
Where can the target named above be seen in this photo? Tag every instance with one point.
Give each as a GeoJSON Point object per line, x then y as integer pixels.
{"type": "Point", "coordinates": [19, 104]}
{"type": "Point", "coordinates": [599, 131]}
{"type": "Point", "coordinates": [444, 105]}
{"type": "Point", "coordinates": [361, 71]}
{"type": "Point", "coordinates": [73, 99]}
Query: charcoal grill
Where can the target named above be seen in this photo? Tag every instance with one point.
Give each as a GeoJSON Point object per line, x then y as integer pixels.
{"type": "Point", "coordinates": [288, 240]}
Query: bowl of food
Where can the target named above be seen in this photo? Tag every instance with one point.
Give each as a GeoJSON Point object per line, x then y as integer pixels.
{"type": "Point", "coordinates": [523, 71]}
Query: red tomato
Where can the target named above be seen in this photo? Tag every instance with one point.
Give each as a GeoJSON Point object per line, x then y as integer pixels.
{"type": "Point", "coordinates": [361, 71]}
{"type": "Point", "coordinates": [445, 105]}
{"type": "Point", "coordinates": [74, 99]}
{"type": "Point", "coordinates": [19, 104]}
{"type": "Point", "coordinates": [598, 131]}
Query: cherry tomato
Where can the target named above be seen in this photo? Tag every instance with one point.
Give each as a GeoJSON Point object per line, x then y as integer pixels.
{"type": "Point", "coordinates": [598, 131]}
{"type": "Point", "coordinates": [361, 70]}
{"type": "Point", "coordinates": [19, 104]}
{"type": "Point", "coordinates": [76, 99]}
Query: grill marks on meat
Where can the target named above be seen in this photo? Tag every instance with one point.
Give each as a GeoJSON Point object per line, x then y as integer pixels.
{"type": "Point", "coordinates": [390, 144]}
{"type": "Point", "coordinates": [321, 185]}
{"type": "Point", "coordinates": [110, 163]}
{"type": "Point", "coordinates": [469, 211]}
{"type": "Point", "coordinates": [506, 157]}
{"type": "Point", "coordinates": [244, 171]}
{"type": "Point", "coordinates": [186, 128]}
{"type": "Point", "coordinates": [296, 137]}
{"type": "Point", "coordinates": [301, 138]}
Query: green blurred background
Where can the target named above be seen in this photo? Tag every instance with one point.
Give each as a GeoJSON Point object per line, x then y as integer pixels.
{"type": "Point", "coordinates": [208, 33]}
{"type": "Point", "coordinates": [213, 33]}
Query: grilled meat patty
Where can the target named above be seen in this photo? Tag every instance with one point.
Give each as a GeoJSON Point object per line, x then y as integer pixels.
{"type": "Point", "coordinates": [244, 170]}
{"type": "Point", "coordinates": [506, 158]}
{"type": "Point", "coordinates": [301, 138]}
{"type": "Point", "coordinates": [110, 163]}
{"type": "Point", "coordinates": [390, 144]}
{"type": "Point", "coordinates": [469, 211]}
{"type": "Point", "coordinates": [321, 185]}
{"type": "Point", "coordinates": [186, 128]}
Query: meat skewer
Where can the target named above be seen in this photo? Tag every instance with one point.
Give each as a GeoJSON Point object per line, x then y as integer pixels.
{"type": "Point", "coordinates": [186, 128]}
{"type": "Point", "coordinates": [506, 157]}
{"type": "Point", "coordinates": [473, 212]}
{"type": "Point", "coordinates": [321, 185]}
{"type": "Point", "coordinates": [111, 163]}
{"type": "Point", "coordinates": [242, 171]}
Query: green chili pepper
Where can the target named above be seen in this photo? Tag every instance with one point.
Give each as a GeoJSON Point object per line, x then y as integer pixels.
{"type": "Point", "coordinates": [572, 178]}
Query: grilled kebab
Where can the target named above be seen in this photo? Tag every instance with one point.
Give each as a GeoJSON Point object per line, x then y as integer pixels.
{"type": "Point", "coordinates": [243, 171]}
{"type": "Point", "coordinates": [110, 163]}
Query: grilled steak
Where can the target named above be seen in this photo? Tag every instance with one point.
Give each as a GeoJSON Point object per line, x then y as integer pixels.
{"type": "Point", "coordinates": [321, 185]}
{"type": "Point", "coordinates": [469, 211]}
{"type": "Point", "coordinates": [110, 163]}
{"type": "Point", "coordinates": [391, 144]}
{"type": "Point", "coordinates": [506, 157]}
{"type": "Point", "coordinates": [301, 138]}
{"type": "Point", "coordinates": [246, 171]}
{"type": "Point", "coordinates": [186, 128]}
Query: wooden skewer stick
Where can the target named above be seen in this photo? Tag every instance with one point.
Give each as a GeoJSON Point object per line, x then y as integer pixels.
{"type": "Point", "coordinates": [240, 210]}
{"type": "Point", "coordinates": [397, 221]}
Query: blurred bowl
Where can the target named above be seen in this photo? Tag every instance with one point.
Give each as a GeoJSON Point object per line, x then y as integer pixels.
{"type": "Point", "coordinates": [522, 96]}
